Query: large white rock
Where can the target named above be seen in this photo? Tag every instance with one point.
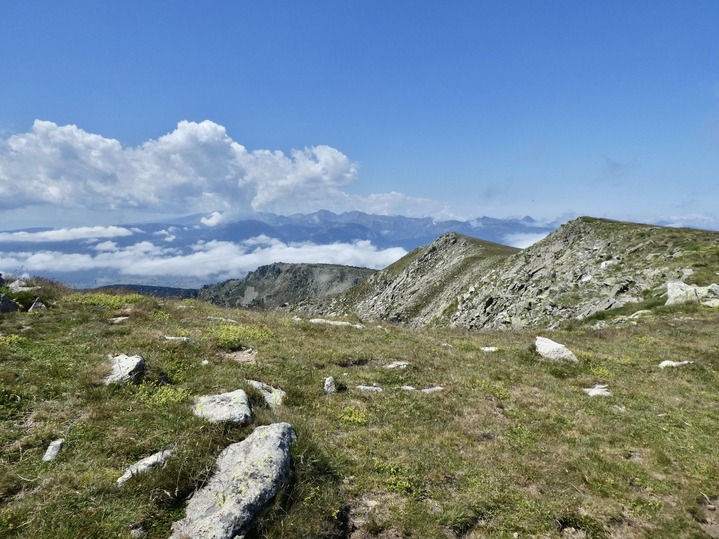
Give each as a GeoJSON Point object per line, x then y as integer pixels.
{"type": "Point", "coordinates": [233, 406]}
{"type": "Point", "coordinates": [144, 465]}
{"type": "Point", "coordinates": [248, 475]}
{"type": "Point", "coordinates": [330, 387]}
{"type": "Point", "coordinates": [679, 293]}
{"type": "Point", "coordinates": [554, 351]}
{"type": "Point", "coordinates": [125, 368]}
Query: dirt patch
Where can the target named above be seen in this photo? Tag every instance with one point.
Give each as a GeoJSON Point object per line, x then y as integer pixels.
{"type": "Point", "coordinates": [242, 356]}
{"type": "Point", "coordinates": [710, 517]}
{"type": "Point", "coordinates": [367, 516]}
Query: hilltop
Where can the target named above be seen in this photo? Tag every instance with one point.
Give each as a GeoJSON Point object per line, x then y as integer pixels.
{"type": "Point", "coordinates": [586, 268]}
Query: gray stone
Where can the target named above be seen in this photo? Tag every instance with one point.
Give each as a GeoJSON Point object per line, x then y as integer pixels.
{"type": "Point", "coordinates": [553, 351]}
{"type": "Point", "coordinates": [599, 390]}
{"type": "Point", "coordinates": [397, 365]}
{"type": "Point", "coordinates": [248, 475]}
{"type": "Point", "coordinates": [668, 363]}
{"type": "Point", "coordinates": [370, 389]}
{"type": "Point", "coordinates": [434, 389]}
{"type": "Point", "coordinates": [53, 449]}
{"type": "Point", "coordinates": [273, 396]}
{"type": "Point", "coordinates": [37, 305]}
{"type": "Point", "coordinates": [125, 369]}
{"type": "Point", "coordinates": [330, 387]}
{"type": "Point", "coordinates": [233, 406]}
{"type": "Point", "coordinates": [7, 305]}
{"type": "Point", "coordinates": [181, 339]}
{"type": "Point", "coordinates": [679, 293]}
{"type": "Point", "coordinates": [335, 323]}
{"type": "Point", "coordinates": [119, 319]}
{"type": "Point", "coordinates": [144, 465]}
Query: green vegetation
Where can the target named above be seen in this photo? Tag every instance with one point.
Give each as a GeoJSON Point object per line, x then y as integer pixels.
{"type": "Point", "coordinates": [511, 445]}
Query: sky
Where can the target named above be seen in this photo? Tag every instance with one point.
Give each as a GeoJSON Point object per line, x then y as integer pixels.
{"type": "Point", "coordinates": [119, 112]}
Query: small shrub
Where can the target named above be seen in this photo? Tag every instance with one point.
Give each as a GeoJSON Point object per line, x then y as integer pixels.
{"type": "Point", "coordinates": [111, 301]}
{"type": "Point", "coordinates": [354, 415]}
{"type": "Point", "coordinates": [237, 336]}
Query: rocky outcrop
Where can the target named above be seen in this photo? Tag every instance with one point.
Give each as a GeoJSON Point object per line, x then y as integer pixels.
{"type": "Point", "coordinates": [248, 475]}
{"type": "Point", "coordinates": [279, 284]}
{"type": "Point", "coordinates": [233, 406]}
{"type": "Point", "coordinates": [273, 396]}
{"type": "Point", "coordinates": [7, 305]}
{"type": "Point", "coordinates": [679, 293]}
{"type": "Point", "coordinates": [125, 369]}
{"type": "Point", "coordinates": [586, 267]}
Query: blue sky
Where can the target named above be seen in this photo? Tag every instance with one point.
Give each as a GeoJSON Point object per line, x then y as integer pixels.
{"type": "Point", "coordinates": [451, 109]}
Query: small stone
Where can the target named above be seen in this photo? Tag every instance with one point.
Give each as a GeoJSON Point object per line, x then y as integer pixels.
{"type": "Point", "coordinates": [434, 389]}
{"type": "Point", "coordinates": [599, 390]}
{"type": "Point", "coordinates": [53, 449]}
{"type": "Point", "coordinates": [553, 351]}
{"type": "Point", "coordinates": [335, 323]}
{"type": "Point", "coordinates": [668, 363]}
{"type": "Point", "coordinates": [205, 362]}
{"type": "Point", "coordinates": [125, 369]}
{"type": "Point", "coordinates": [370, 389]}
{"type": "Point", "coordinates": [397, 365]}
{"type": "Point", "coordinates": [330, 387]}
{"type": "Point", "coordinates": [119, 319]}
{"type": "Point", "coordinates": [272, 395]}
{"type": "Point", "coordinates": [37, 305]}
{"type": "Point", "coordinates": [221, 319]}
{"type": "Point", "coordinates": [408, 388]}
{"type": "Point", "coordinates": [182, 339]}
{"type": "Point", "coordinates": [137, 533]}
{"type": "Point", "coordinates": [489, 349]}
{"type": "Point", "coordinates": [144, 465]}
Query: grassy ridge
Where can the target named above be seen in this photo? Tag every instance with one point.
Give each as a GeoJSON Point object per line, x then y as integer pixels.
{"type": "Point", "coordinates": [511, 445]}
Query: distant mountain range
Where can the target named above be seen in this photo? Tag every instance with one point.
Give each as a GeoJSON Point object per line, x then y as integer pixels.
{"type": "Point", "coordinates": [82, 267]}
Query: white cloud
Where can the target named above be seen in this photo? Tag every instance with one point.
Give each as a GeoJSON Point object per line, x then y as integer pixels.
{"type": "Point", "coordinates": [523, 240]}
{"type": "Point", "coordinates": [195, 168]}
{"type": "Point", "coordinates": [214, 219]}
{"type": "Point", "coordinates": [208, 261]}
{"type": "Point", "coordinates": [67, 234]}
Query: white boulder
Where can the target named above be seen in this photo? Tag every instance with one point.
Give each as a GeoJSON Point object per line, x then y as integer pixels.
{"type": "Point", "coordinates": [553, 351]}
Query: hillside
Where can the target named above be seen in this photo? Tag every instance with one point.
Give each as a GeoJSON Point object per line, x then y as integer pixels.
{"type": "Point", "coordinates": [585, 268]}
{"type": "Point", "coordinates": [278, 284]}
{"type": "Point", "coordinates": [434, 433]}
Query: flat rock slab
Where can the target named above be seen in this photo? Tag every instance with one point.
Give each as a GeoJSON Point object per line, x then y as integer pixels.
{"type": "Point", "coordinates": [125, 369]}
{"type": "Point", "coordinates": [233, 406]}
{"type": "Point", "coordinates": [144, 466]}
{"type": "Point", "coordinates": [665, 364]}
{"type": "Point", "coordinates": [248, 475]}
{"type": "Point", "coordinates": [273, 396]}
{"type": "Point", "coordinates": [553, 351]}
{"type": "Point", "coordinates": [599, 390]}
{"type": "Point", "coordinates": [335, 323]}
{"type": "Point", "coordinates": [370, 389]}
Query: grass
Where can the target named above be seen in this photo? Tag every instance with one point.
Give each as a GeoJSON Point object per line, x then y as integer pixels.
{"type": "Point", "coordinates": [511, 445]}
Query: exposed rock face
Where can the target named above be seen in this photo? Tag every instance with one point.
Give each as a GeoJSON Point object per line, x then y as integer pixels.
{"type": "Point", "coordinates": [125, 369]}
{"type": "Point", "coordinates": [679, 292]}
{"type": "Point", "coordinates": [553, 351]}
{"type": "Point", "coordinates": [233, 406]}
{"type": "Point", "coordinates": [248, 475]}
{"type": "Point", "coordinates": [418, 288]}
{"type": "Point", "coordinates": [587, 266]}
{"type": "Point", "coordinates": [7, 305]}
{"type": "Point", "coordinates": [144, 465]}
{"type": "Point", "coordinates": [278, 284]}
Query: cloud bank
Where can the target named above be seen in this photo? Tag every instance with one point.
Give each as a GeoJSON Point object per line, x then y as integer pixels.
{"type": "Point", "coordinates": [203, 262]}
{"type": "Point", "coordinates": [195, 168]}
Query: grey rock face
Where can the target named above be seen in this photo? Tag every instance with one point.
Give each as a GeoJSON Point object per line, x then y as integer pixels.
{"type": "Point", "coordinates": [273, 396]}
{"type": "Point", "coordinates": [248, 475]}
{"type": "Point", "coordinates": [233, 406]}
{"type": "Point", "coordinates": [7, 305]}
{"type": "Point", "coordinates": [144, 465]}
{"type": "Point", "coordinates": [53, 450]}
{"type": "Point", "coordinates": [679, 293]}
{"type": "Point", "coordinates": [553, 351]}
{"type": "Point", "coordinates": [126, 369]}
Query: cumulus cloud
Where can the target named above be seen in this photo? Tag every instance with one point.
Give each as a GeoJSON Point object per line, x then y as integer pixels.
{"type": "Point", "coordinates": [195, 168]}
{"type": "Point", "coordinates": [523, 240]}
{"type": "Point", "coordinates": [67, 234]}
{"type": "Point", "coordinates": [204, 261]}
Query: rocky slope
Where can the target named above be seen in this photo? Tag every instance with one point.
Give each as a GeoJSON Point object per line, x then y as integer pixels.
{"type": "Point", "coordinates": [277, 284]}
{"type": "Point", "coordinates": [418, 288]}
{"type": "Point", "coordinates": [587, 266]}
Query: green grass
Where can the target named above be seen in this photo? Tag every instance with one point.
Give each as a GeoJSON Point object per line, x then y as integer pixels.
{"type": "Point", "coordinates": [511, 445]}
